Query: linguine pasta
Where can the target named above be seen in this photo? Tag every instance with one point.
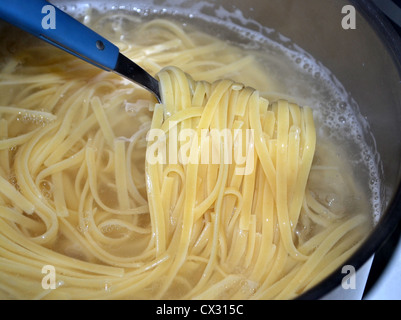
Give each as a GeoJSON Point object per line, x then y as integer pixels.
{"type": "Point", "coordinates": [216, 193]}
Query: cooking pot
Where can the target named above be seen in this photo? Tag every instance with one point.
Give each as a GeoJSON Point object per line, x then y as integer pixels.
{"type": "Point", "coordinates": [357, 44]}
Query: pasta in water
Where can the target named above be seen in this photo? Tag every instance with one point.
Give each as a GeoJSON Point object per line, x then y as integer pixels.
{"type": "Point", "coordinates": [219, 192]}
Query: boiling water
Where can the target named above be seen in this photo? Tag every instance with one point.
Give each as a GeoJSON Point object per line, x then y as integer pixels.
{"type": "Point", "coordinates": [297, 75]}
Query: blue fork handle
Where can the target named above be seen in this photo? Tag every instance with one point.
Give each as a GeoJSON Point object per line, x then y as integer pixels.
{"type": "Point", "coordinates": [51, 24]}
{"type": "Point", "coordinates": [45, 21]}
